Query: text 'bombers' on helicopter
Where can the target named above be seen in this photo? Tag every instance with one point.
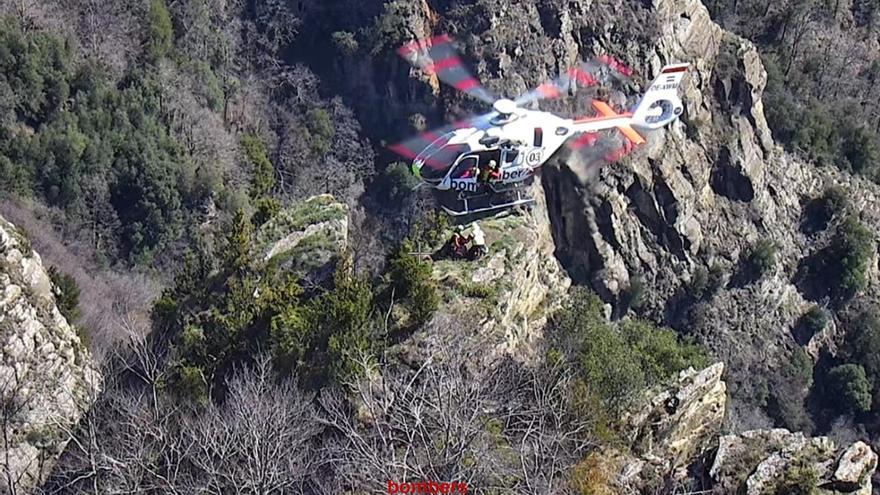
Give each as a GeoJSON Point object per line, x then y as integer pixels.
{"type": "Point", "coordinates": [483, 163]}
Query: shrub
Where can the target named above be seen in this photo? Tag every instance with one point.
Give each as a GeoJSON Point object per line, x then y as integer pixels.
{"type": "Point", "coordinates": [852, 251]}
{"type": "Point", "coordinates": [591, 477]}
{"type": "Point", "coordinates": [862, 345]}
{"type": "Point", "coordinates": [860, 149]}
{"type": "Point", "coordinates": [635, 293]}
{"type": "Point", "coordinates": [616, 362]}
{"type": "Point", "coordinates": [320, 127]}
{"type": "Point", "coordinates": [814, 320]}
{"type": "Point", "coordinates": [660, 352]}
{"type": "Point", "coordinates": [159, 30]}
{"type": "Point", "coordinates": [398, 183]}
{"type": "Point", "coordinates": [345, 42]}
{"type": "Point", "coordinates": [412, 279]}
{"type": "Point", "coordinates": [267, 208]}
{"type": "Point", "coordinates": [66, 294]}
{"type": "Point", "coordinates": [262, 174]}
{"type": "Point", "coordinates": [851, 383]}
{"type": "Point", "coordinates": [762, 257]}
{"type": "Point", "coordinates": [799, 479]}
{"type": "Point", "coordinates": [825, 208]}
{"type": "Point", "coordinates": [189, 382]}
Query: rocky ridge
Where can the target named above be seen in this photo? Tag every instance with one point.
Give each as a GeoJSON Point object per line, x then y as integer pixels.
{"type": "Point", "coordinates": [47, 378]}
{"type": "Point", "coordinates": [506, 296]}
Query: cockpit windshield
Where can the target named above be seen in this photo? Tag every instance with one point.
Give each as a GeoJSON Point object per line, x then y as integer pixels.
{"type": "Point", "coordinates": [438, 156]}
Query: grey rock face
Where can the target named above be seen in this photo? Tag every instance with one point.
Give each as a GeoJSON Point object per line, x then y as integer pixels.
{"type": "Point", "coordinates": [757, 462]}
{"type": "Point", "coordinates": [675, 426]}
{"type": "Point", "coordinates": [47, 379]}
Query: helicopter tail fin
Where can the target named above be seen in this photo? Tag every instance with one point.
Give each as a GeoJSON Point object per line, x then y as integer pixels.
{"type": "Point", "coordinates": [661, 104]}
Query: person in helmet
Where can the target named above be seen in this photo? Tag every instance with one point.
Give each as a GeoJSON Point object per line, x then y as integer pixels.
{"type": "Point", "coordinates": [479, 249]}
{"type": "Point", "coordinates": [459, 242]}
{"type": "Point", "coordinates": [490, 172]}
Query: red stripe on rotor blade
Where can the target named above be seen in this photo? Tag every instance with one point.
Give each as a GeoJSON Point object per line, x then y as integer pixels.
{"type": "Point", "coordinates": [444, 64]}
{"type": "Point", "coordinates": [430, 136]}
{"type": "Point", "coordinates": [616, 65]}
{"type": "Point", "coordinates": [417, 45]}
{"type": "Point", "coordinates": [587, 139]}
{"type": "Point", "coordinates": [675, 69]}
{"type": "Point", "coordinates": [549, 91]}
{"type": "Point", "coordinates": [403, 151]}
{"type": "Point", "coordinates": [583, 77]}
{"type": "Point", "coordinates": [467, 84]}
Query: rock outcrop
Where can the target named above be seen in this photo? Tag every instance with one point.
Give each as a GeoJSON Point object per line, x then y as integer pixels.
{"type": "Point", "coordinates": [505, 296]}
{"type": "Point", "coordinates": [305, 238]}
{"type": "Point", "coordinates": [761, 462]}
{"type": "Point", "coordinates": [47, 378]}
{"type": "Point", "coordinates": [673, 428]}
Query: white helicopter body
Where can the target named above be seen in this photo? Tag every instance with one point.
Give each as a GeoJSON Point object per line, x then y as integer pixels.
{"type": "Point", "coordinates": [520, 140]}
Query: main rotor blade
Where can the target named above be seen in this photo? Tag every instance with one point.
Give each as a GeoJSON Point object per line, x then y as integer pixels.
{"type": "Point", "coordinates": [438, 56]}
{"type": "Point", "coordinates": [592, 75]}
{"type": "Point", "coordinates": [433, 146]}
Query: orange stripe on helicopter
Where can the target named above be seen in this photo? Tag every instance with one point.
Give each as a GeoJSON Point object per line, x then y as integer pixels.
{"type": "Point", "coordinates": [609, 113]}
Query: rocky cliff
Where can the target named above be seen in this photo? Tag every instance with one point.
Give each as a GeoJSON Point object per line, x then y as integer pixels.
{"type": "Point", "coordinates": [675, 434]}
{"type": "Point", "coordinates": [47, 378]}
{"type": "Point", "coordinates": [504, 297]}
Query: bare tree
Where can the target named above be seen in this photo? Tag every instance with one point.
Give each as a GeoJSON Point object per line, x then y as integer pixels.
{"type": "Point", "coordinates": [507, 430]}
{"type": "Point", "coordinates": [260, 440]}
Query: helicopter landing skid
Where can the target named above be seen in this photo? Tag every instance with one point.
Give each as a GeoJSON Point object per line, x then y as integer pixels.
{"type": "Point", "coordinates": [470, 208]}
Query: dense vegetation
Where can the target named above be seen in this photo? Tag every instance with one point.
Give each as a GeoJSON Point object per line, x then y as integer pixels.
{"type": "Point", "coordinates": [616, 362]}
{"type": "Point", "coordinates": [822, 69]}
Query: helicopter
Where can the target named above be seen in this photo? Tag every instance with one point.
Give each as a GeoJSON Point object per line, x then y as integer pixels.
{"type": "Point", "coordinates": [517, 140]}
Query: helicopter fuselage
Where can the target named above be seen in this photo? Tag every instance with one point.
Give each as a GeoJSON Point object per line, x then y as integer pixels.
{"type": "Point", "coordinates": [519, 142]}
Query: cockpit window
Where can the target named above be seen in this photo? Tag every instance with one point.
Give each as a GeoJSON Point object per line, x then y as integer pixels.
{"type": "Point", "coordinates": [465, 167]}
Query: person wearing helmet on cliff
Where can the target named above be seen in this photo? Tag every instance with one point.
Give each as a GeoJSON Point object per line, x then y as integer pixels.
{"type": "Point", "coordinates": [459, 243]}
{"type": "Point", "coordinates": [479, 249]}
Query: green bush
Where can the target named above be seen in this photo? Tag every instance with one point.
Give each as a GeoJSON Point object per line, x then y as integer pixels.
{"type": "Point", "coordinates": [660, 352]}
{"type": "Point", "coordinates": [852, 251]}
{"type": "Point", "coordinates": [850, 383]}
{"type": "Point", "coordinates": [762, 258]}
{"type": "Point", "coordinates": [160, 34]}
{"type": "Point", "coordinates": [66, 294]}
{"type": "Point", "coordinates": [263, 174]}
{"type": "Point", "coordinates": [831, 204]}
{"type": "Point", "coordinates": [345, 42]}
{"type": "Point", "coordinates": [267, 208]}
{"type": "Point", "coordinates": [618, 361]}
{"type": "Point", "coordinates": [320, 127]}
{"type": "Point", "coordinates": [814, 320]}
{"type": "Point", "coordinates": [799, 479]}
{"type": "Point", "coordinates": [862, 345]}
{"type": "Point", "coordinates": [706, 282]}
{"type": "Point", "coordinates": [411, 278]}
{"type": "Point", "coordinates": [189, 382]}
{"type": "Point", "coordinates": [399, 182]}
{"type": "Point", "coordinates": [635, 293]}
